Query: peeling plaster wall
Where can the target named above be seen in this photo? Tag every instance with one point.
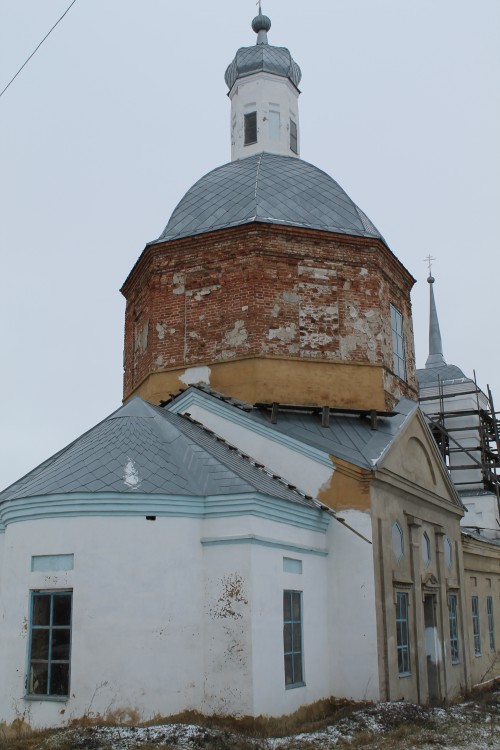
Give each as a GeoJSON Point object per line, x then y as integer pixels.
{"type": "Point", "coordinates": [228, 684]}
{"type": "Point", "coordinates": [266, 291]}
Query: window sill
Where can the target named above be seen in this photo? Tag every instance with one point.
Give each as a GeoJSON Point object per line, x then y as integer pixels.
{"type": "Point", "coordinates": [404, 674]}
{"type": "Point", "coordinates": [295, 685]}
{"type": "Point", "coordinates": [51, 698]}
{"type": "Point", "coordinates": [454, 663]}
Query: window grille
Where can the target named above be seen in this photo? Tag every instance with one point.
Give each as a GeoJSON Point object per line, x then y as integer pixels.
{"type": "Point", "coordinates": [398, 343]}
{"type": "Point", "coordinates": [294, 144]}
{"type": "Point", "coordinates": [475, 626]}
{"type": "Point", "coordinates": [453, 618]}
{"type": "Point", "coordinates": [292, 638]}
{"type": "Point", "coordinates": [50, 643]}
{"type": "Point", "coordinates": [491, 622]}
{"type": "Point", "coordinates": [402, 634]}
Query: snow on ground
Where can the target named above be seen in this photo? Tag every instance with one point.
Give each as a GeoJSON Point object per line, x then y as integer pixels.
{"type": "Point", "coordinates": [474, 725]}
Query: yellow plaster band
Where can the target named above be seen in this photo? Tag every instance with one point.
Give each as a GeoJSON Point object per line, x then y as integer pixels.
{"type": "Point", "coordinates": [338, 384]}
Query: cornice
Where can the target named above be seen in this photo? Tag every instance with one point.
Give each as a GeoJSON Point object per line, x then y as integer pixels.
{"type": "Point", "coordinates": [78, 505]}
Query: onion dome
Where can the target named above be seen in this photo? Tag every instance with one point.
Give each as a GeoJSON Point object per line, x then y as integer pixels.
{"type": "Point", "coordinates": [263, 57]}
{"type": "Point", "coordinates": [267, 188]}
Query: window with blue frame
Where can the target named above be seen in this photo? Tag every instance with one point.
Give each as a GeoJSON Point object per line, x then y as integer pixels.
{"type": "Point", "coordinates": [402, 634]}
{"type": "Point", "coordinates": [491, 622]}
{"type": "Point", "coordinates": [453, 619]}
{"type": "Point", "coordinates": [475, 626]}
{"type": "Point", "coordinates": [292, 638]}
{"type": "Point", "coordinates": [398, 343]}
{"type": "Point", "coordinates": [50, 643]}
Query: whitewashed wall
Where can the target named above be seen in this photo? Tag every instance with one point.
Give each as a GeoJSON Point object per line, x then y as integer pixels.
{"type": "Point", "coordinates": [168, 615]}
{"type": "Point", "coordinates": [350, 618]}
{"type": "Point", "coordinates": [353, 625]}
{"type": "Point", "coordinates": [263, 93]}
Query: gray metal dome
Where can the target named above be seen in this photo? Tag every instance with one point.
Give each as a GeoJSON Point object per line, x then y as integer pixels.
{"type": "Point", "coordinates": [263, 58]}
{"type": "Point", "coordinates": [271, 189]}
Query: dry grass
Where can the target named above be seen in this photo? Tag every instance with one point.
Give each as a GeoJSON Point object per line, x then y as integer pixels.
{"type": "Point", "coordinates": [306, 719]}
{"type": "Point", "coordinates": [396, 726]}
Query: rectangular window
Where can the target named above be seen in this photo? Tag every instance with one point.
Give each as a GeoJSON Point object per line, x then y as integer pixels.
{"type": "Point", "coordinates": [453, 617]}
{"type": "Point", "coordinates": [491, 622]}
{"type": "Point", "coordinates": [250, 128]}
{"type": "Point", "coordinates": [475, 626]}
{"type": "Point", "coordinates": [293, 137]}
{"type": "Point", "coordinates": [50, 643]}
{"type": "Point", "coordinates": [292, 638]}
{"type": "Point", "coordinates": [290, 565]}
{"type": "Point", "coordinates": [45, 563]}
{"type": "Point", "coordinates": [402, 634]}
{"type": "Point", "coordinates": [274, 125]}
{"type": "Point", "coordinates": [398, 343]}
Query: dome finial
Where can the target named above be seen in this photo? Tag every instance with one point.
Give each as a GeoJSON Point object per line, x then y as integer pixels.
{"type": "Point", "coordinates": [261, 25]}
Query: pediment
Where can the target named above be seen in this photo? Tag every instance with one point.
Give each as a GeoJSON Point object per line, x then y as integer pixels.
{"type": "Point", "coordinates": [415, 459]}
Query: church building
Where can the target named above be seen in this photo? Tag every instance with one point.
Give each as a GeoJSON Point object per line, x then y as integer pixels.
{"type": "Point", "coordinates": [268, 519]}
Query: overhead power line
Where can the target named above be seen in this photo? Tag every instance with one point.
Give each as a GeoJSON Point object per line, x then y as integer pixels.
{"type": "Point", "coordinates": [38, 47]}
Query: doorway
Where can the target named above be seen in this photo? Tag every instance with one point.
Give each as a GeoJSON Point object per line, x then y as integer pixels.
{"type": "Point", "coordinates": [432, 650]}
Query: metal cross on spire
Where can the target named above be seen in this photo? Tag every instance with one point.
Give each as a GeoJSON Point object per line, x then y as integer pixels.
{"type": "Point", "coordinates": [429, 260]}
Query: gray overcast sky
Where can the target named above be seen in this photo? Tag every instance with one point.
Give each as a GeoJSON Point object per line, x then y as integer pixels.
{"type": "Point", "coordinates": [124, 108]}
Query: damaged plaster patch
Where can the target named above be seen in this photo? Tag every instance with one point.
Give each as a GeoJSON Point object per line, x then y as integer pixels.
{"type": "Point", "coordinates": [275, 311]}
{"type": "Point", "coordinates": [161, 329]}
{"type": "Point", "coordinates": [200, 293]}
{"type": "Point", "coordinates": [238, 335]}
{"type": "Point", "coordinates": [141, 337]}
{"type": "Point", "coordinates": [178, 282]}
{"type": "Point", "coordinates": [196, 375]}
{"type": "Point", "coordinates": [131, 476]}
{"type": "Point", "coordinates": [232, 595]}
{"type": "Point", "coordinates": [284, 333]}
{"type": "Point", "coordinates": [291, 297]}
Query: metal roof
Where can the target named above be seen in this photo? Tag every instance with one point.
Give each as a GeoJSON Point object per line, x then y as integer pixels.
{"type": "Point", "coordinates": [267, 188]}
{"type": "Point", "coordinates": [348, 437]}
{"type": "Point", "coordinates": [432, 375]}
{"type": "Point", "coordinates": [263, 58]}
{"type": "Point", "coordinates": [146, 449]}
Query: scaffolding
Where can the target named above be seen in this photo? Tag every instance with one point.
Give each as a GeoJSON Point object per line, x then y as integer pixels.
{"type": "Point", "coordinates": [451, 435]}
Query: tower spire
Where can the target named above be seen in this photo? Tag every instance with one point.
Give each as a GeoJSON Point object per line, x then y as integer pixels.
{"type": "Point", "coordinates": [435, 358]}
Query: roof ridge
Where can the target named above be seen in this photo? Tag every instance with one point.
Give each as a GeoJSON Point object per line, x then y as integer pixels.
{"type": "Point", "coordinates": [246, 457]}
